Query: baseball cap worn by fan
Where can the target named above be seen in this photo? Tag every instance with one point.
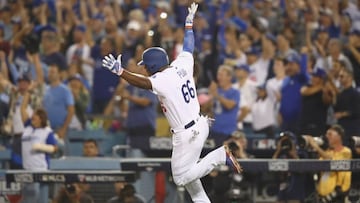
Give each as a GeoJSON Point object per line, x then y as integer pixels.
{"type": "Point", "coordinates": [81, 28]}
{"type": "Point", "coordinates": [253, 51]}
{"type": "Point", "coordinates": [319, 72]}
{"type": "Point", "coordinates": [24, 77]}
{"type": "Point", "coordinates": [293, 58]}
{"type": "Point", "coordinates": [243, 67]}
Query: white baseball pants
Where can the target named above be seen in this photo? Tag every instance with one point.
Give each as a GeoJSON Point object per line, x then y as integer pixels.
{"type": "Point", "coordinates": [186, 167]}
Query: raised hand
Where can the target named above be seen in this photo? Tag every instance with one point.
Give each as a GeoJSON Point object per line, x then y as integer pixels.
{"type": "Point", "coordinates": [112, 64]}
{"type": "Point", "coordinates": [190, 17]}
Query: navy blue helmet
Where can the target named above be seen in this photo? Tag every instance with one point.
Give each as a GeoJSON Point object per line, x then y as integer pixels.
{"type": "Point", "coordinates": [154, 58]}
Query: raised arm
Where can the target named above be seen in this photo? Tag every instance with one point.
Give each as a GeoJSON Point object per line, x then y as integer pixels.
{"type": "Point", "coordinates": [141, 81]}
{"type": "Point", "coordinates": [23, 107]}
{"type": "Point", "coordinates": [189, 41]}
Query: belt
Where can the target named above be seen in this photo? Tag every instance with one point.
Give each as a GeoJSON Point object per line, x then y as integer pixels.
{"type": "Point", "coordinates": [187, 126]}
{"type": "Point", "coordinates": [191, 123]}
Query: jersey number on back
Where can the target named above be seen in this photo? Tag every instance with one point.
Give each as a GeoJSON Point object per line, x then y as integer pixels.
{"type": "Point", "coordinates": [188, 92]}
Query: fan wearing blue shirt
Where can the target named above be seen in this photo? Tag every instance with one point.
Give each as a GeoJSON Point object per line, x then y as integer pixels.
{"type": "Point", "coordinates": [226, 105]}
{"type": "Point", "coordinates": [141, 113]}
{"type": "Point", "coordinates": [290, 103]}
{"type": "Point", "coordinates": [58, 102]}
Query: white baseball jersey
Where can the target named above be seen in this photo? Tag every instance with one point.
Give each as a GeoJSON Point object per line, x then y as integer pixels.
{"type": "Point", "coordinates": [175, 88]}
{"type": "Point", "coordinates": [35, 160]}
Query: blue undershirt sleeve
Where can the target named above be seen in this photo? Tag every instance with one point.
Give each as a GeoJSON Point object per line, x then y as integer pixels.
{"type": "Point", "coordinates": [189, 41]}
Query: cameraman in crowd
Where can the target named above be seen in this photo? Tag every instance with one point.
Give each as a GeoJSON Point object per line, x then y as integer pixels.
{"type": "Point", "coordinates": [126, 193]}
{"type": "Point", "coordinates": [222, 182]}
{"type": "Point", "coordinates": [333, 185]}
{"type": "Point", "coordinates": [72, 193]}
{"type": "Point", "coordinates": [293, 186]}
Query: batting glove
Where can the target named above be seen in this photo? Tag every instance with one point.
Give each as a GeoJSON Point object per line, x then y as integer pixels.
{"type": "Point", "coordinates": [190, 17]}
{"type": "Point", "coordinates": [112, 64]}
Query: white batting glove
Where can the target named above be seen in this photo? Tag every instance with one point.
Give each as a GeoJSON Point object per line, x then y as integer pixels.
{"type": "Point", "coordinates": [112, 64]}
{"type": "Point", "coordinates": [190, 17]}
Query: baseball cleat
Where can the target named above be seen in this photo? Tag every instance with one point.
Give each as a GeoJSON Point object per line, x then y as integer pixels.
{"type": "Point", "coordinates": [231, 160]}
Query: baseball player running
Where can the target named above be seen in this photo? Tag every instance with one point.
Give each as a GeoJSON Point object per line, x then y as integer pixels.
{"type": "Point", "coordinates": [175, 88]}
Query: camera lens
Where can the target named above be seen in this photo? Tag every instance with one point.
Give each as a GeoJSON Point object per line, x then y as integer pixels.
{"type": "Point", "coordinates": [354, 142]}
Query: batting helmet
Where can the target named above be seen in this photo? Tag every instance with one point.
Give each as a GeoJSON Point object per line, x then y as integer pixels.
{"type": "Point", "coordinates": [154, 58]}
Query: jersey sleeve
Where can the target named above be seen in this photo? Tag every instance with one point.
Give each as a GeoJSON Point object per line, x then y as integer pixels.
{"type": "Point", "coordinates": [51, 140]}
{"type": "Point", "coordinates": [184, 59]}
{"type": "Point", "coordinates": [158, 83]}
{"type": "Point", "coordinates": [151, 96]}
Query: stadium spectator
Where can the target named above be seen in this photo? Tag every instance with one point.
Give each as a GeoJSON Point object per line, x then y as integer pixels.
{"type": "Point", "coordinates": [353, 53]}
{"type": "Point", "coordinates": [97, 27]}
{"type": "Point", "coordinates": [141, 113]}
{"type": "Point", "coordinates": [91, 149]}
{"type": "Point", "coordinates": [263, 113]}
{"type": "Point", "coordinates": [335, 181]}
{"type": "Point", "coordinates": [292, 187]}
{"type": "Point", "coordinates": [290, 103]}
{"type": "Point", "coordinates": [79, 52]}
{"type": "Point", "coordinates": [82, 100]}
{"type": "Point", "coordinates": [225, 101]}
{"type": "Point", "coordinates": [72, 192]}
{"type": "Point", "coordinates": [37, 143]}
{"type": "Point", "coordinates": [24, 84]}
{"type": "Point", "coordinates": [116, 109]}
{"type": "Point", "coordinates": [274, 84]}
{"type": "Point", "coordinates": [247, 89]}
{"type": "Point", "coordinates": [208, 58]}
{"type": "Point", "coordinates": [5, 121]}
{"type": "Point", "coordinates": [50, 43]}
{"type": "Point", "coordinates": [98, 191]}
{"type": "Point", "coordinates": [233, 55]}
{"type": "Point", "coordinates": [5, 27]}
{"type": "Point", "coordinates": [58, 102]}
{"type": "Point", "coordinates": [220, 181]}
{"type": "Point", "coordinates": [334, 73]}
{"type": "Point", "coordinates": [347, 107]}
{"type": "Point", "coordinates": [239, 138]}
{"type": "Point", "coordinates": [125, 193]}
{"type": "Point", "coordinates": [316, 98]}
{"type": "Point", "coordinates": [104, 82]}
{"type": "Point", "coordinates": [283, 47]}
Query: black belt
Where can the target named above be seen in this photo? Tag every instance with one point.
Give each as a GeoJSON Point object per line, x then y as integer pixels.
{"type": "Point", "coordinates": [190, 124]}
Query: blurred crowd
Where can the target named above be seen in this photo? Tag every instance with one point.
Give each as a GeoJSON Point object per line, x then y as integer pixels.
{"type": "Point", "coordinates": [261, 66]}
{"type": "Point", "coordinates": [293, 64]}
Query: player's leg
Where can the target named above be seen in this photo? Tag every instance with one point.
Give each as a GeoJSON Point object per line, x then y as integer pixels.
{"type": "Point", "coordinates": [197, 192]}
{"type": "Point", "coordinates": [187, 146]}
{"type": "Point", "coordinates": [203, 167]}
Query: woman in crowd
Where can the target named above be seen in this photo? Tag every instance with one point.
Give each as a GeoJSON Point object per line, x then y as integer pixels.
{"type": "Point", "coordinates": [38, 142]}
